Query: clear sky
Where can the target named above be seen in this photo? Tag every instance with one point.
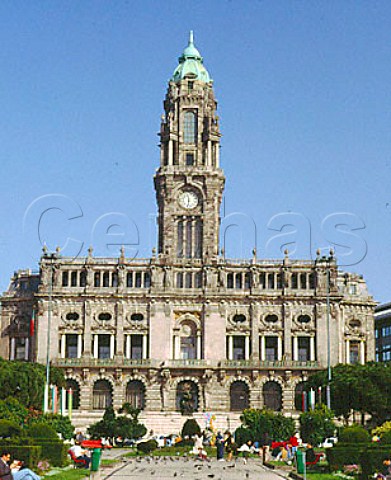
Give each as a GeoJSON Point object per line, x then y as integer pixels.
{"type": "Point", "coordinates": [305, 105]}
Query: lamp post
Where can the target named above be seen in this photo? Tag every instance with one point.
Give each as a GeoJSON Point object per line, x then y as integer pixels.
{"type": "Point", "coordinates": [51, 256]}
{"type": "Point", "coordinates": [328, 393]}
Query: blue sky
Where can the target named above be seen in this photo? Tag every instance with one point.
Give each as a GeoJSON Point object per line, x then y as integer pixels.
{"type": "Point", "coordinates": [304, 100]}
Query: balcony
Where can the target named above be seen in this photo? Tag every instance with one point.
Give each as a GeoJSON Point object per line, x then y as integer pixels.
{"type": "Point", "coordinates": [186, 363]}
{"type": "Point", "coordinates": [88, 362]}
{"type": "Point", "coordinates": [270, 364]}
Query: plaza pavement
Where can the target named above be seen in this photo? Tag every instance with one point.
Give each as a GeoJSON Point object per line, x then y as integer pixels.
{"type": "Point", "coordinates": [162, 468]}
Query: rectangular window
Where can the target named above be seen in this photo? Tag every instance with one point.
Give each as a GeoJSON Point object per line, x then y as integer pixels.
{"type": "Point", "coordinates": [180, 240]}
{"type": "Point", "coordinates": [354, 352]}
{"type": "Point", "coordinates": [64, 279]}
{"type": "Point", "coordinates": [20, 348]}
{"type": "Point", "coordinates": [198, 238]}
{"type": "Point", "coordinates": [129, 279]}
{"type": "Point", "coordinates": [189, 280]}
{"type": "Point", "coordinates": [103, 346]}
{"type": "Point", "coordinates": [71, 346]}
{"type": "Point", "coordinates": [198, 280]}
{"type": "Point", "coordinates": [304, 349]}
{"type": "Point", "coordinates": [138, 280]}
{"type": "Point", "coordinates": [238, 347]}
{"type": "Point", "coordinates": [189, 239]}
{"type": "Point", "coordinates": [189, 159]}
{"type": "Point", "coordinates": [73, 279]}
{"type": "Point", "coordinates": [190, 128]}
{"type": "Point", "coordinates": [97, 279]}
{"type": "Point", "coordinates": [136, 351]}
{"type": "Point", "coordinates": [271, 348]}
{"type": "Point", "coordinates": [179, 280]}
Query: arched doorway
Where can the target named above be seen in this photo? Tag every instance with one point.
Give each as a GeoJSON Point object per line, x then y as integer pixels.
{"type": "Point", "coordinates": [102, 395]}
{"type": "Point", "coordinates": [239, 395]}
{"type": "Point", "coordinates": [187, 397]}
{"type": "Point", "coordinates": [72, 385]}
{"type": "Point", "coordinates": [135, 394]}
{"type": "Point", "coordinates": [272, 396]}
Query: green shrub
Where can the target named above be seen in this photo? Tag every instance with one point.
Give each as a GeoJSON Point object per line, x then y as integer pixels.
{"type": "Point", "coordinates": [55, 451]}
{"type": "Point", "coordinates": [243, 435]}
{"type": "Point", "coordinates": [61, 424]}
{"type": "Point", "coordinates": [317, 424]}
{"type": "Point", "coordinates": [190, 428]}
{"type": "Point", "coordinates": [260, 422]}
{"type": "Point", "coordinates": [371, 460]}
{"type": "Point", "coordinates": [41, 430]}
{"type": "Point", "coordinates": [354, 434]}
{"type": "Point", "coordinates": [29, 454]}
{"type": "Point", "coordinates": [385, 439]}
{"type": "Point", "coordinates": [9, 429]}
{"type": "Point", "coordinates": [147, 447]}
{"type": "Point", "coordinates": [344, 454]}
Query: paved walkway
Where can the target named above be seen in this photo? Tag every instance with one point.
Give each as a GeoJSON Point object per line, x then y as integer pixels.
{"type": "Point", "coordinates": [161, 468]}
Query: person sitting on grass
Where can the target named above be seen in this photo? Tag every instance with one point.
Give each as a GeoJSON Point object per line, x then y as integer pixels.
{"type": "Point", "coordinates": [20, 472]}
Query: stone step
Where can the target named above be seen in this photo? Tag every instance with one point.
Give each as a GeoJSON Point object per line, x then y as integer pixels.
{"type": "Point", "coordinates": [163, 423]}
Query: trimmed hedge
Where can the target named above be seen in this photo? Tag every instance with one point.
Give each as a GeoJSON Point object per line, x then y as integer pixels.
{"type": "Point", "coordinates": [371, 460]}
{"type": "Point", "coordinates": [41, 430]}
{"type": "Point", "coordinates": [354, 434]}
{"type": "Point", "coordinates": [54, 451]}
{"type": "Point", "coordinates": [30, 454]}
{"type": "Point", "coordinates": [344, 454]}
{"type": "Point", "coordinates": [147, 447]}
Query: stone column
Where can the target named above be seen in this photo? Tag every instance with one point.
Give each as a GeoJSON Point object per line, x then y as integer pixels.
{"type": "Point", "coordinates": [120, 329]}
{"type": "Point", "coordinates": [145, 346]}
{"type": "Point", "coordinates": [96, 346]}
{"type": "Point", "coordinates": [79, 345]}
{"type": "Point", "coordinates": [295, 349]}
{"type": "Point", "coordinates": [362, 352]}
{"type": "Point", "coordinates": [199, 347]}
{"type": "Point", "coordinates": [170, 153]}
{"type": "Point", "coordinates": [128, 345]}
{"type": "Point", "coordinates": [12, 350]}
{"type": "Point", "coordinates": [230, 347]}
{"type": "Point", "coordinates": [254, 332]}
{"type": "Point", "coordinates": [246, 347]}
{"type": "Point", "coordinates": [287, 315]}
{"type": "Point", "coordinates": [112, 345]}
{"type": "Point", "coordinates": [177, 347]}
{"type": "Point", "coordinates": [87, 328]}
{"type": "Point", "coordinates": [63, 345]}
{"type": "Point", "coordinates": [217, 155]}
{"type": "Point", "coordinates": [263, 348]}
{"type": "Point", "coordinates": [279, 348]}
{"type": "Point", "coordinates": [209, 153]}
{"type": "Point", "coordinates": [26, 349]}
{"type": "Point", "coordinates": [312, 349]}
{"type": "Point", "coordinates": [347, 351]}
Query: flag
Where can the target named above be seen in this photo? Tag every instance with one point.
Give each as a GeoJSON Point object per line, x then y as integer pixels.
{"type": "Point", "coordinates": [32, 324]}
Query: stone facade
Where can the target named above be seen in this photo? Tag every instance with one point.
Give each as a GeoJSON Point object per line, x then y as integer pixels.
{"type": "Point", "coordinates": [187, 329]}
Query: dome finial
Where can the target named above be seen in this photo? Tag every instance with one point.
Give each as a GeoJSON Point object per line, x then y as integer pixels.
{"type": "Point", "coordinates": [191, 37]}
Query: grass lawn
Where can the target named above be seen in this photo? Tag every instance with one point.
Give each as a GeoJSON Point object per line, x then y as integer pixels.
{"type": "Point", "coordinates": [72, 474]}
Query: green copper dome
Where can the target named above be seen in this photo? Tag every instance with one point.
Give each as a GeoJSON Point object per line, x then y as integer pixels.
{"type": "Point", "coordinates": [191, 65]}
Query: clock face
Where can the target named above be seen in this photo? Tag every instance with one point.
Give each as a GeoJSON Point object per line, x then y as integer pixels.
{"type": "Point", "coordinates": [188, 200]}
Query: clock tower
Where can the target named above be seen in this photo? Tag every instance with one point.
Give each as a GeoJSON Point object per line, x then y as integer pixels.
{"type": "Point", "coordinates": [189, 182]}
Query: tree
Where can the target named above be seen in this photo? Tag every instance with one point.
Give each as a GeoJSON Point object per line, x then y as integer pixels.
{"type": "Point", "coordinates": [25, 381]}
{"type": "Point", "coordinates": [262, 422]}
{"type": "Point", "coordinates": [112, 427]}
{"type": "Point", "coordinates": [365, 389]}
{"type": "Point", "coordinates": [317, 424]}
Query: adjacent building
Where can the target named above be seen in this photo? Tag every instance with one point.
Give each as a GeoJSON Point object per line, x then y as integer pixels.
{"type": "Point", "coordinates": [187, 330]}
{"type": "Point", "coordinates": [383, 332]}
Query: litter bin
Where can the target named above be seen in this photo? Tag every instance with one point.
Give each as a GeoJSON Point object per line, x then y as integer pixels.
{"type": "Point", "coordinates": [95, 459]}
{"type": "Point", "coordinates": [300, 461]}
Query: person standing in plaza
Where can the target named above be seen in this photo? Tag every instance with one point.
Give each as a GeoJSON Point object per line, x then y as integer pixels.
{"type": "Point", "coordinates": [220, 446]}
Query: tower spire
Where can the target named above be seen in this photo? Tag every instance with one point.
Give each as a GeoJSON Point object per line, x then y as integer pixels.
{"type": "Point", "coordinates": [191, 37]}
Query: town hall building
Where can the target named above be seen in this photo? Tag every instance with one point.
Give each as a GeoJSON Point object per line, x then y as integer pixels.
{"type": "Point", "coordinates": [187, 331]}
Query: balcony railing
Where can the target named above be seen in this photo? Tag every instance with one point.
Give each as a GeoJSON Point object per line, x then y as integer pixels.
{"type": "Point", "coordinates": [103, 362]}
{"type": "Point", "coordinates": [272, 364]}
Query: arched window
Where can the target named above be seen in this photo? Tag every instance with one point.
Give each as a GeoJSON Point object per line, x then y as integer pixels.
{"type": "Point", "coordinates": [198, 238]}
{"type": "Point", "coordinates": [230, 280]}
{"type": "Point", "coordinates": [102, 395]}
{"type": "Point", "coordinates": [279, 281]}
{"type": "Point", "coordinates": [72, 387]}
{"type": "Point", "coordinates": [187, 397]}
{"type": "Point", "coordinates": [190, 127]}
{"type": "Point", "coordinates": [114, 279]}
{"type": "Point", "coordinates": [294, 281]}
{"type": "Point", "coordinates": [303, 281]}
{"type": "Point", "coordinates": [262, 280]}
{"type": "Point", "coordinates": [73, 279]}
{"type": "Point", "coordinates": [272, 396]}
{"type": "Point", "coordinates": [312, 280]}
{"type": "Point", "coordinates": [129, 279]}
{"type": "Point", "coordinates": [189, 280]}
{"type": "Point", "coordinates": [147, 280]}
{"type": "Point", "coordinates": [97, 279]}
{"type": "Point", "coordinates": [239, 395]}
{"type": "Point", "coordinates": [299, 396]}
{"type": "Point", "coordinates": [64, 279]}
{"type": "Point", "coordinates": [270, 281]}
{"type": "Point", "coordinates": [247, 281]}
{"type": "Point", "coordinates": [135, 394]}
{"type": "Point", "coordinates": [179, 280]}
{"type": "Point", "coordinates": [106, 279]}
{"type": "Point", "coordinates": [238, 280]}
